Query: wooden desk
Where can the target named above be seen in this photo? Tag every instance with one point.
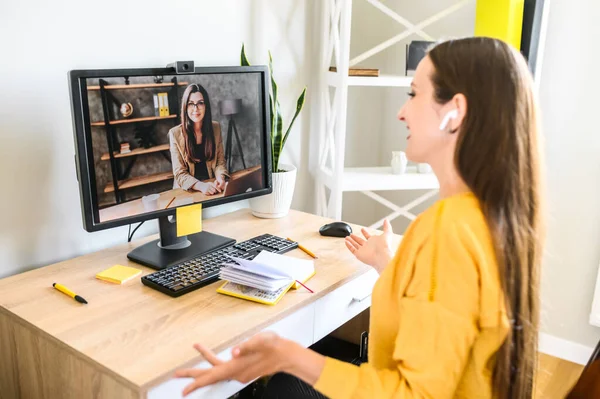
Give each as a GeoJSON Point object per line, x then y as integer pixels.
{"type": "Point", "coordinates": [182, 197]}
{"type": "Point", "coordinates": [129, 339]}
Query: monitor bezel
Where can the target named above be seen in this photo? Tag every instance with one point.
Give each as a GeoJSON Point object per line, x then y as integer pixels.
{"type": "Point", "coordinates": [84, 161]}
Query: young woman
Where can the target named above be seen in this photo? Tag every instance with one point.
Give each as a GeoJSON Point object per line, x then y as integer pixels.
{"type": "Point", "coordinates": [196, 145]}
{"type": "Point", "coordinates": [455, 310]}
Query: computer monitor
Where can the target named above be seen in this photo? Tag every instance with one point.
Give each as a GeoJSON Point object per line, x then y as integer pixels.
{"type": "Point", "coordinates": [149, 141]}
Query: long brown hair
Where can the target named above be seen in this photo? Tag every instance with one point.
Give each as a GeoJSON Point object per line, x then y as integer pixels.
{"type": "Point", "coordinates": [187, 125]}
{"type": "Point", "coordinates": [498, 156]}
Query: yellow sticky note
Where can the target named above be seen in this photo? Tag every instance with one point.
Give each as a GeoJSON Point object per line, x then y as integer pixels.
{"type": "Point", "coordinates": [189, 219]}
{"type": "Point", "coordinates": [118, 274]}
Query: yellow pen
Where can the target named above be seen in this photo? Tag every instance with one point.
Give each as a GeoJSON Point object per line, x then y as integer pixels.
{"type": "Point", "coordinates": [68, 292]}
{"type": "Point", "coordinates": [305, 249]}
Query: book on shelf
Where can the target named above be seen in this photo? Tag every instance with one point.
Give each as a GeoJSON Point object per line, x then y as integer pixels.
{"type": "Point", "coordinates": [266, 278]}
{"type": "Point", "coordinates": [156, 107]}
{"type": "Point", "coordinates": [163, 104]}
{"type": "Point", "coordinates": [125, 148]}
{"type": "Point", "coordinates": [359, 71]}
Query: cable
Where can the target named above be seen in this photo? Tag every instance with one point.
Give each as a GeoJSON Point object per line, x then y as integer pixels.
{"type": "Point", "coordinates": [131, 233]}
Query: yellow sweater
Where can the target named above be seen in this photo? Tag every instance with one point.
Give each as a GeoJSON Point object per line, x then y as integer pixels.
{"type": "Point", "coordinates": [437, 314]}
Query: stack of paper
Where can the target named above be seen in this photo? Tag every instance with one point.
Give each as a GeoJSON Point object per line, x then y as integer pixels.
{"type": "Point", "coordinates": [266, 278]}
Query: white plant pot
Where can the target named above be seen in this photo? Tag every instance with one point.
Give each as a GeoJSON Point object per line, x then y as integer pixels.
{"type": "Point", "coordinates": [277, 204]}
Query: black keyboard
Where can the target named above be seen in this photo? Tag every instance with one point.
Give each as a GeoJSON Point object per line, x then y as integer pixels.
{"type": "Point", "coordinates": [202, 270]}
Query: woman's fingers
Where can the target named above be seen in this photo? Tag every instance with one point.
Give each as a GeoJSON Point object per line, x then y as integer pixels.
{"type": "Point", "coordinates": [214, 187]}
{"type": "Point", "coordinates": [210, 377]}
{"type": "Point", "coordinates": [208, 354]}
{"type": "Point", "coordinates": [353, 243]}
{"type": "Point", "coordinates": [387, 227]}
{"type": "Point", "coordinates": [189, 373]}
{"type": "Point", "coordinates": [258, 343]}
{"type": "Point", "coordinates": [350, 246]}
{"type": "Point", "coordinates": [365, 233]}
{"type": "Point", "coordinates": [226, 371]}
{"type": "Point", "coordinates": [350, 241]}
{"type": "Point", "coordinates": [359, 241]}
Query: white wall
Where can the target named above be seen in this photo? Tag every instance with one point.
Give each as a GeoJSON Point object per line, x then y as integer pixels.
{"type": "Point", "coordinates": [40, 216]}
{"type": "Point", "coordinates": [569, 88]}
{"type": "Point", "coordinates": [283, 27]}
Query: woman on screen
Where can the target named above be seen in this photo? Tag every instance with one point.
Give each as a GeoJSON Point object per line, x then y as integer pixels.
{"type": "Point", "coordinates": [196, 145]}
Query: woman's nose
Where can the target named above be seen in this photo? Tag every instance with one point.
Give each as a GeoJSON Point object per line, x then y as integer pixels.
{"type": "Point", "coordinates": [401, 114]}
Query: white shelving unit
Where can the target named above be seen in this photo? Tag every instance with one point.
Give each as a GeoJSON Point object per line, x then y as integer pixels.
{"type": "Point", "coordinates": [331, 173]}
{"type": "Point", "coordinates": [371, 81]}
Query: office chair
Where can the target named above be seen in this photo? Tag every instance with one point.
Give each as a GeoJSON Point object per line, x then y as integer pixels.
{"type": "Point", "coordinates": [588, 384]}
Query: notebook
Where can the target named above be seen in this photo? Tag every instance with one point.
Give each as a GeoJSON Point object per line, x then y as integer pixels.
{"type": "Point", "coordinates": [252, 294]}
{"type": "Point", "coordinates": [266, 278]}
{"type": "Point", "coordinates": [118, 274]}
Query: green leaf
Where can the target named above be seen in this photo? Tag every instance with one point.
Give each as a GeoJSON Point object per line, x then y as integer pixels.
{"type": "Point", "coordinates": [278, 139]}
{"type": "Point", "coordinates": [272, 124]}
{"type": "Point", "coordinates": [244, 60]}
{"type": "Point", "coordinates": [299, 105]}
{"type": "Point", "coordinates": [274, 99]}
{"type": "Point", "coordinates": [276, 121]}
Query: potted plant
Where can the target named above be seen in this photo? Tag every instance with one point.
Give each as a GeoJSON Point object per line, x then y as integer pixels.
{"type": "Point", "coordinates": [277, 204]}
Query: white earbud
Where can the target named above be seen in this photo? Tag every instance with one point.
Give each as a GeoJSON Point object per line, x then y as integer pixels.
{"type": "Point", "coordinates": [450, 115]}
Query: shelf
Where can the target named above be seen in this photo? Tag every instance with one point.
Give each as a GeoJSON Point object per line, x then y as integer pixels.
{"type": "Point", "coordinates": [137, 86]}
{"type": "Point", "coordinates": [382, 179]}
{"type": "Point", "coordinates": [137, 151]}
{"type": "Point", "coordinates": [105, 204]}
{"type": "Point", "coordinates": [373, 81]}
{"type": "Point", "coordinates": [139, 181]}
{"type": "Point", "coordinates": [134, 120]}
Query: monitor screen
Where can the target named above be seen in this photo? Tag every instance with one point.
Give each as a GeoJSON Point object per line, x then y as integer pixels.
{"type": "Point", "coordinates": [149, 141]}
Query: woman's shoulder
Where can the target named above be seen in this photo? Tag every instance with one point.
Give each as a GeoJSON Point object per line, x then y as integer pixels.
{"type": "Point", "coordinates": [216, 127]}
{"type": "Point", "coordinates": [460, 217]}
{"type": "Point", "coordinates": [176, 131]}
{"type": "Point", "coordinates": [459, 210]}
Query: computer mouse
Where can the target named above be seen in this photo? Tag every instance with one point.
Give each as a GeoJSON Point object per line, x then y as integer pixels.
{"type": "Point", "coordinates": [336, 229]}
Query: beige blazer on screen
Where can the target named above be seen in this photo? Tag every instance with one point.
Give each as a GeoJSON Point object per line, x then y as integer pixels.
{"type": "Point", "coordinates": [183, 169]}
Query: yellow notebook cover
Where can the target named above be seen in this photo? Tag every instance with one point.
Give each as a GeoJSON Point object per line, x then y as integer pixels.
{"type": "Point", "coordinates": [118, 274]}
{"type": "Point", "coordinates": [253, 294]}
{"type": "Point", "coordinates": [298, 286]}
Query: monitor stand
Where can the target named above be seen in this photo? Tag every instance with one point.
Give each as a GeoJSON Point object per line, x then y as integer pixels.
{"type": "Point", "coordinates": [170, 249]}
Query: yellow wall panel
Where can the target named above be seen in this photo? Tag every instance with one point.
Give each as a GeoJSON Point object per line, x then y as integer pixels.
{"type": "Point", "coordinates": [501, 19]}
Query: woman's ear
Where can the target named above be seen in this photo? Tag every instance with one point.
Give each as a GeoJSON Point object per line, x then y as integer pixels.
{"type": "Point", "coordinates": [459, 103]}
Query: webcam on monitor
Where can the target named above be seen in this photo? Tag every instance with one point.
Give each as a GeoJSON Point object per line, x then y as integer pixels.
{"type": "Point", "coordinates": [182, 67]}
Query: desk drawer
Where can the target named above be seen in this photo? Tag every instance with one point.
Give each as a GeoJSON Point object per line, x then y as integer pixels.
{"type": "Point", "coordinates": [341, 305]}
{"type": "Point", "coordinates": [297, 327]}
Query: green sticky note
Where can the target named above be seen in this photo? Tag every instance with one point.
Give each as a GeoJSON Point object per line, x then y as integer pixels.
{"type": "Point", "coordinates": [189, 219]}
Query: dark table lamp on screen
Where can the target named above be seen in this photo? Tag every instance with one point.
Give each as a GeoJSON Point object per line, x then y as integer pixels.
{"type": "Point", "coordinates": [229, 108]}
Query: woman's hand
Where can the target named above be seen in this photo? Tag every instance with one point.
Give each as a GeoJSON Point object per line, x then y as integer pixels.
{"type": "Point", "coordinates": [220, 183]}
{"type": "Point", "coordinates": [263, 354]}
{"type": "Point", "coordinates": [206, 188]}
{"type": "Point", "coordinates": [375, 251]}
